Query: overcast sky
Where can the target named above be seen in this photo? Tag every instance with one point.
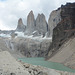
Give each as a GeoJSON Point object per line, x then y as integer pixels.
{"type": "Point", "coordinates": [12, 10]}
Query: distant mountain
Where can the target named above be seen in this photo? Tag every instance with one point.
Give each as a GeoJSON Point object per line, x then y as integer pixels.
{"type": "Point", "coordinates": [38, 26]}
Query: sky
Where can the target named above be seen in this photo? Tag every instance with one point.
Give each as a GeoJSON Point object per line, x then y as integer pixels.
{"type": "Point", "coordinates": [12, 10]}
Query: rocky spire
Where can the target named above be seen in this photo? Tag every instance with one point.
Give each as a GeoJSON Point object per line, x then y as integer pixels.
{"type": "Point", "coordinates": [20, 26]}
{"type": "Point", "coordinates": [30, 22]}
{"type": "Point", "coordinates": [20, 21]}
{"type": "Point", "coordinates": [41, 24]}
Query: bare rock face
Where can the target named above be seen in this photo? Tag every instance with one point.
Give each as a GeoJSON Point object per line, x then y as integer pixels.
{"type": "Point", "coordinates": [30, 22]}
{"type": "Point", "coordinates": [41, 24]}
{"type": "Point", "coordinates": [21, 26]}
{"type": "Point", "coordinates": [53, 20]}
{"type": "Point", "coordinates": [65, 29]}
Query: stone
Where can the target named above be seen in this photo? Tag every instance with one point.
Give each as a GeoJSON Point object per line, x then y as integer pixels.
{"type": "Point", "coordinates": [20, 27]}
{"type": "Point", "coordinates": [41, 24]}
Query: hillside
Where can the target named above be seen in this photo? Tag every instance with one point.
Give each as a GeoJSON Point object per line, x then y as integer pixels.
{"type": "Point", "coordinates": [66, 54]}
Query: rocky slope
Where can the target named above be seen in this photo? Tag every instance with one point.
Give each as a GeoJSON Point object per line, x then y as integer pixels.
{"type": "Point", "coordinates": [66, 54]}
{"type": "Point", "coordinates": [31, 47]}
{"type": "Point", "coordinates": [7, 45]}
{"type": "Point", "coordinates": [64, 30]}
{"type": "Point", "coordinates": [20, 45]}
{"type": "Point", "coordinates": [9, 65]}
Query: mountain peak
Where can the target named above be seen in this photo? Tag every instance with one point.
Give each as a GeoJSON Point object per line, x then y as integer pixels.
{"type": "Point", "coordinates": [20, 21]}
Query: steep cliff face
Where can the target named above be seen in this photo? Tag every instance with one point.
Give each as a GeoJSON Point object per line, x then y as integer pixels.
{"type": "Point", "coordinates": [65, 29]}
{"type": "Point", "coordinates": [20, 26]}
{"type": "Point", "coordinates": [53, 20]}
{"type": "Point", "coordinates": [30, 23]}
{"type": "Point", "coordinates": [41, 24]}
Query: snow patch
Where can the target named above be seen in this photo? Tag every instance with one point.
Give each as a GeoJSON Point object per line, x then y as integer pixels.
{"type": "Point", "coordinates": [20, 34]}
{"type": "Point", "coordinates": [5, 35]}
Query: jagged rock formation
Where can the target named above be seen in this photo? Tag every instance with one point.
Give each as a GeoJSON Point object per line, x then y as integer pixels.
{"type": "Point", "coordinates": [21, 27]}
{"type": "Point", "coordinates": [65, 29]}
{"type": "Point", "coordinates": [30, 23]}
{"type": "Point", "coordinates": [36, 27]}
{"type": "Point", "coordinates": [41, 24]}
{"type": "Point", "coordinates": [53, 20]}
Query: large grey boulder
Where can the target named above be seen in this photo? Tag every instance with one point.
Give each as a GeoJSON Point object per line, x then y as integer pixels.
{"type": "Point", "coordinates": [41, 24]}
{"type": "Point", "coordinates": [20, 26]}
{"type": "Point", "coordinates": [53, 20]}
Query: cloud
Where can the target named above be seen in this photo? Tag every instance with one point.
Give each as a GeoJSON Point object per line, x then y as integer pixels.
{"type": "Point", "coordinates": [12, 10]}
